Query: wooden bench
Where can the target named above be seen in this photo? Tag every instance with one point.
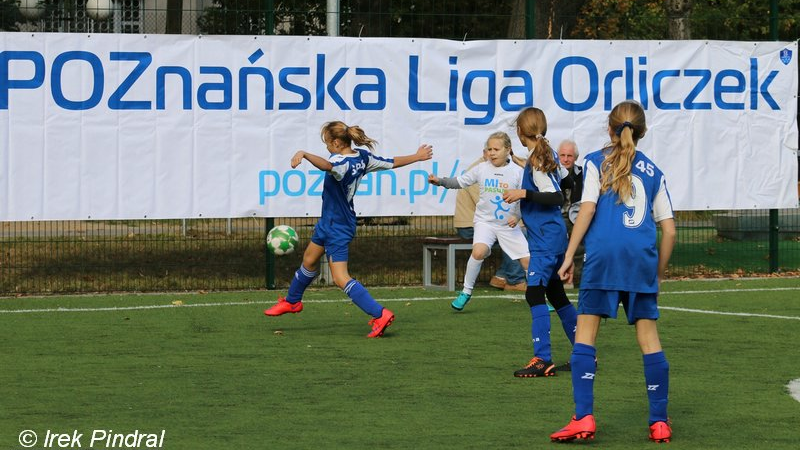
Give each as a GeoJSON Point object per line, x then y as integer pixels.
{"type": "Point", "coordinates": [449, 245]}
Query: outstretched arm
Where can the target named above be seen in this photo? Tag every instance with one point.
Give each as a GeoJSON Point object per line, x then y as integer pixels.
{"type": "Point", "coordinates": [424, 153]}
{"type": "Point", "coordinates": [317, 161]}
{"type": "Point", "coordinates": [445, 182]}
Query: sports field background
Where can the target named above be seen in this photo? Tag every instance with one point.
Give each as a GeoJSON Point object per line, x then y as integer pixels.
{"type": "Point", "coordinates": [215, 373]}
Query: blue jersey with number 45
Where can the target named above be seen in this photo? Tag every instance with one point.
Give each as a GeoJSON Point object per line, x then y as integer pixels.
{"type": "Point", "coordinates": [621, 251]}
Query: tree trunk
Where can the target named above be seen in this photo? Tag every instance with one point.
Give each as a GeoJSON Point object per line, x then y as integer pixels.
{"type": "Point", "coordinates": [553, 19]}
{"type": "Point", "coordinates": [516, 25]}
{"type": "Point", "coordinates": [678, 12]}
{"type": "Point", "coordinates": [174, 16]}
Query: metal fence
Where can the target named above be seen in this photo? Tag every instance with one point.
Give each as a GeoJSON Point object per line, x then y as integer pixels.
{"type": "Point", "coordinates": [228, 254]}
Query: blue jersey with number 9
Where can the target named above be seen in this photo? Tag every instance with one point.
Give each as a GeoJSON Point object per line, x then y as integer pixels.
{"type": "Point", "coordinates": [621, 251]}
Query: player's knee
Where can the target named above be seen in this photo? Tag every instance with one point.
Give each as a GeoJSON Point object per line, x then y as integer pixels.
{"type": "Point", "coordinates": [556, 295]}
{"type": "Point", "coordinates": [341, 281]}
{"type": "Point", "coordinates": [481, 252]}
{"type": "Point", "coordinates": [311, 264]}
{"type": "Point", "coordinates": [534, 295]}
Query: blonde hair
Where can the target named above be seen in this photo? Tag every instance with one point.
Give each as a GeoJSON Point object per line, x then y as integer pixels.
{"type": "Point", "coordinates": [503, 137]}
{"type": "Point", "coordinates": [627, 125]}
{"type": "Point", "coordinates": [532, 126]}
{"type": "Point", "coordinates": [347, 134]}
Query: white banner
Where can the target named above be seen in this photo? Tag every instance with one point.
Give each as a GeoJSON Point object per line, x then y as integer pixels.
{"type": "Point", "coordinates": [150, 126]}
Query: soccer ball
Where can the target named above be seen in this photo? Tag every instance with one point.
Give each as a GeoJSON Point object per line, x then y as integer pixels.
{"type": "Point", "coordinates": [282, 240]}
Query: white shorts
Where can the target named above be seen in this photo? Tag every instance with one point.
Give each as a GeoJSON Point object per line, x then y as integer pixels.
{"type": "Point", "coordinates": [511, 240]}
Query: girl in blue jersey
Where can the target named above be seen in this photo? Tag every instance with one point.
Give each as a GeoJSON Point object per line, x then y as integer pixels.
{"type": "Point", "coordinates": [540, 207]}
{"type": "Point", "coordinates": [624, 196]}
{"type": "Point", "coordinates": [337, 225]}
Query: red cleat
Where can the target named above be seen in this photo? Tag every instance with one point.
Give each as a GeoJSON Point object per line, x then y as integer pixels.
{"type": "Point", "coordinates": [380, 324]}
{"type": "Point", "coordinates": [660, 432]}
{"type": "Point", "coordinates": [283, 307]}
{"type": "Point", "coordinates": [576, 429]}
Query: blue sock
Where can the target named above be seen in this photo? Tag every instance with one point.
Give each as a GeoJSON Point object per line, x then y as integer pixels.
{"type": "Point", "coordinates": [583, 371]}
{"type": "Point", "coordinates": [656, 377]}
{"type": "Point", "coordinates": [302, 278]}
{"type": "Point", "coordinates": [540, 332]}
{"type": "Point", "coordinates": [361, 297]}
{"type": "Point", "coordinates": [569, 320]}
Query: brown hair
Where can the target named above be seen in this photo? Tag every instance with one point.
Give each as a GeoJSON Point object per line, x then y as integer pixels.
{"type": "Point", "coordinates": [347, 134]}
{"type": "Point", "coordinates": [627, 125]}
{"type": "Point", "coordinates": [532, 127]}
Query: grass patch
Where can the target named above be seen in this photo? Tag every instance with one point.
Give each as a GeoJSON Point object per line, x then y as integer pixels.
{"type": "Point", "coordinates": [225, 376]}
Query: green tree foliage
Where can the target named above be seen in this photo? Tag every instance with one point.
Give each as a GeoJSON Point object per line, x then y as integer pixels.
{"type": "Point", "coordinates": [234, 17]}
{"type": "Point", "coordinates": [710, 19]}
{"type": "Point", "coordinates": [745, 20]}
{"type": "Point", "coordinates": [10, 17]}
{"type": "Point", "coordinates": [452, 19]}
{"type": "Point", "coordinates": [621, 19]}
{"type": "Point", "coordinates": [449, 19]}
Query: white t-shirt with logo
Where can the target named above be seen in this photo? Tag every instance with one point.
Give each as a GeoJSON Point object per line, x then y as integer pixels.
{"type": "Point", "coordinates": [492, 181]}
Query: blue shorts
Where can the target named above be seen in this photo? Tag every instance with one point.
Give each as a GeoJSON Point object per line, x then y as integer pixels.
{"type": "Point", "coordinates": [542, 268]}
{"type": "Point", "coordinates": [336, 242]}
{"type": "Point", "coordinates": [637, 305]}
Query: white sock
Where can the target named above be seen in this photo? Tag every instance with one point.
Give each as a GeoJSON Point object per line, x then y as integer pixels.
{"type": "Point", "coordinates": [473, 269]}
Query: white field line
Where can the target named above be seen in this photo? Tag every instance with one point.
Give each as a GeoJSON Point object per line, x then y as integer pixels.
{"type": "Point", "coordinates": [413, 299]}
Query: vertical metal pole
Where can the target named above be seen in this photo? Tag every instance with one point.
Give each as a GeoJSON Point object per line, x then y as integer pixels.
{"type": "Point", "coordinates": [773, 19]}
{"type": "Point", "coordinates": [332, 24]}
{"type": "Point", "coordinates": [530, 19]}
{"type": "Point", "coordinates": [774, 220]}
{"type": "Point", "coordinates": [269, 17]}
{"type": "Point", "coordinates": [269, 222]}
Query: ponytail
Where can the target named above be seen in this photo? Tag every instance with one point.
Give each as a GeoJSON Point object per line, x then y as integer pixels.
{"type": "Point", "coordinates": [347, 134]}
{"type": "Point", "coordinates": [531, 128]}
{"type": "Point", "coordinates": [627, 121]}
{"type": "Point", "coordinates": [541, 155]}
{"type": "Point", "coordinates": [357, 135]}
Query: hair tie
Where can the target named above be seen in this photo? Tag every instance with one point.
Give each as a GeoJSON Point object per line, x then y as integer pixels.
{"type": "Point", "coordinates": [622, 127]}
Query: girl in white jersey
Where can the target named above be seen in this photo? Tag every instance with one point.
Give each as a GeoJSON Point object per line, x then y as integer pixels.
{"type": "Point", "coordinates": [495, 220]}
{"type": "Point", "coordinates": [624, 196]}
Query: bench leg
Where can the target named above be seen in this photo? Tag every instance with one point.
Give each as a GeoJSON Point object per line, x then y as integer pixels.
{"type": "Point", "coordinates": [426, 267]}
{"type": "Point", "coordinates": [451, 268]}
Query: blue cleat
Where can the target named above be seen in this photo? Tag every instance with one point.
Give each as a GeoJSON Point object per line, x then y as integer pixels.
{"type": "Point", "coordinates": [461, 301]}
{"type": "Point", "coordinates": [550, 308]}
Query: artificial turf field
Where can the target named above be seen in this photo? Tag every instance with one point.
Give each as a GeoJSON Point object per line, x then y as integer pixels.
{"type": "Point", "coordinates": [215, 373]}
